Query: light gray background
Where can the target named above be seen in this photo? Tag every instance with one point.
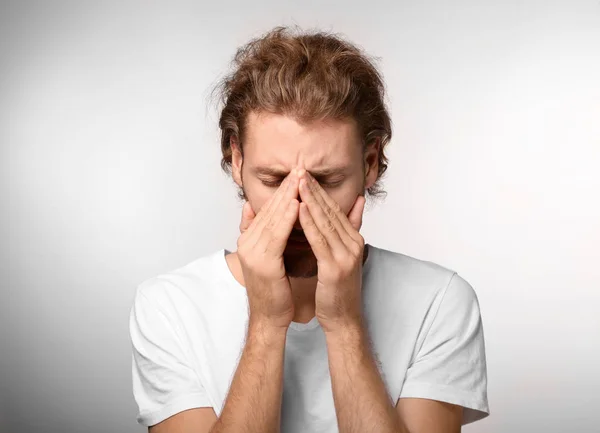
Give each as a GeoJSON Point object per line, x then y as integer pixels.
{"type": "Point", "coordinates": [111, 166]}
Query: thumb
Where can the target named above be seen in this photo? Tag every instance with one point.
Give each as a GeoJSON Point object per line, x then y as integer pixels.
{"type": "Point", "coordinates": [356, 213]}
{"type": "Point", "coordinates": [247, 217]}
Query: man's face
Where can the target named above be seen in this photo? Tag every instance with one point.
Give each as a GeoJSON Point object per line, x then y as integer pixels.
{"type": "Point", "coordinates": [331, 151]}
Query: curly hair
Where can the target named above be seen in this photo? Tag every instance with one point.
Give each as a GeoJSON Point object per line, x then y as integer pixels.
{"type": "Point", "coordinates": [308, 76]}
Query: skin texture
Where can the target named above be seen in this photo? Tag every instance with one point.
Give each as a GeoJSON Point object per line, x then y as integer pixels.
{"type": "Point", "coordinates": [286, 284]}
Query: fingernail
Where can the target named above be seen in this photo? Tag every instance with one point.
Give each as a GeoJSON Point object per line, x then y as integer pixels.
{"type": "Point", "coordinates": [300, 172]}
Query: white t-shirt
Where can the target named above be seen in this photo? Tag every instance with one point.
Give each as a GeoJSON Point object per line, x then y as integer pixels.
{"type": "Point", "coordinates": [188, 329]}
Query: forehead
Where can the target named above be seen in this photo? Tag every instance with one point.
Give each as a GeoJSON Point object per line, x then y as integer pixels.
{"type": "Point", "coordinates": [280, 141]}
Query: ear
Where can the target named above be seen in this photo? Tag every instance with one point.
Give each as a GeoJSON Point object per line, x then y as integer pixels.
{"type": "Point", "coordinates": [236, 160]}
{"type": "Point", "coordinates": [371, 162]}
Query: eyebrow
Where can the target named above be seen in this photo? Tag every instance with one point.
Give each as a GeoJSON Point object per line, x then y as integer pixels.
{"type": "Point", "coordinates": [317, 174]}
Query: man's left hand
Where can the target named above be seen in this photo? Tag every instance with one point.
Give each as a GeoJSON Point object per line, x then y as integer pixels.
{"type": "Point", "coordinates": [338, 247]}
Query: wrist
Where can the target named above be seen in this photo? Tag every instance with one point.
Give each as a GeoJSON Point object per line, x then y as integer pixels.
{"type": "Point", "coordinates": [347, 333]}
{"type": "Point", "coordinates": [349, 325]}
{"type": "Point", "coordinates": [265, 330]}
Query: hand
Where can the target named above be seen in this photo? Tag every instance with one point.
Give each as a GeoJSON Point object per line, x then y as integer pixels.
{"type": "Point", "coordinates": [338, 247]}
{"type": "Point", "coordinates": [260, 249]}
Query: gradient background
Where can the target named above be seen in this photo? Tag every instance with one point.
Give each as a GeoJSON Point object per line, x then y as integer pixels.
{"type": "Point", "coordinates": [110, 161]}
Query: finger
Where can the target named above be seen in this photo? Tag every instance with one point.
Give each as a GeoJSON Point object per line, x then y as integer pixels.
{"type": "Point", "coordinates": [355, 216]}
{"type": "Point", "coordinates": [334, 212]}
{"type": "Point", "coordinates": [264, 214]}
{"type": "Point", "coordinates": [275, 245]}
{"type": "Point", "coordinates": [258, 216]}
{"type": "Point", "coordinates": [247, 216]}
{"type": "Point", "coordinates": [272, 201]}
{"type": "Point", "coordinates": [268, 226]}
{"type": "Point", "coordinates": [276, 200]}
{"type": "Point", "coordinates": [315, 238]}
{"type": "Point", "coordinates": [329, 227]}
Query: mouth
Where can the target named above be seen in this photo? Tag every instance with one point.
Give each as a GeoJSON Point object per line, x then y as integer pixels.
{"type": "Point", "coordinates": [299, 242]}
{"type": "Point", "coordinates": [297, 235]}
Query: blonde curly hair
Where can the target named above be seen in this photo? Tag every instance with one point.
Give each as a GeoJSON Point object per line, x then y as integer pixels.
{"type": "Point", "coordinates": [308, 76]}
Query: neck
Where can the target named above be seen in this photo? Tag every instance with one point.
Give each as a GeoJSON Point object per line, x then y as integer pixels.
{"type": "Point", "coordinates": [303, 293]}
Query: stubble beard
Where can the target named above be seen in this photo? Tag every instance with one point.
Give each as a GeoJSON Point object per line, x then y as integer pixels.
{"type": "Point", "coordinates": [300, 263]}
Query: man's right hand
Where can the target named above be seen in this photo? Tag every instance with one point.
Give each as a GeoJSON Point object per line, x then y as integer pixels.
{"type": "Point", "coordinates": [260, 250]}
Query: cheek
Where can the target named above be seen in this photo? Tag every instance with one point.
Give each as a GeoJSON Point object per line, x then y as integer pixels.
{"type": "Point", "coordinates": [257, 203]}
{"type": "Point", "coordinates": [347, 194]}
{"type": "Point", "coordinates": [258, 195]}
{"type": "Point", "coordinates": [344, 199]}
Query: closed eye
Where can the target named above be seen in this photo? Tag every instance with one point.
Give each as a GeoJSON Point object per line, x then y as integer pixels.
{"type": "Point", "coordinates": [330, 184]}
{"type": "Point", "coordinates": [272, 183]}
{"type": "Point", "coordinates": [276, 183]}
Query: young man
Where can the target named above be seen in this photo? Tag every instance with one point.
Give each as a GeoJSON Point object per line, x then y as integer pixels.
{"type": "Point", "coordinates": [306, 328]}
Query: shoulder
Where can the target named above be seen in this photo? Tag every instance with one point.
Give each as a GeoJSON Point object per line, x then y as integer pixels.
{"type": "Point", "coordinates": [405, 273]}
{"type": "Point", "coordinates": [414, 286]}
{"type": "Point", "coordinates": [188, 283]}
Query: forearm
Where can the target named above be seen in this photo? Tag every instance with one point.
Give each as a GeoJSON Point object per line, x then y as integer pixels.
{"type": "Point", "coordinates": [253, 403]}
{"type": "Point", "coordinates": [361, 400]}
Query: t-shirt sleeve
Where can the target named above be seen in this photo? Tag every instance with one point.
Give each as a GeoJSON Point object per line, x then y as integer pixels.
{"type": "Point", "coordinates": [164, 383]}
{"type": "Point", "coordinates": [450, 364]}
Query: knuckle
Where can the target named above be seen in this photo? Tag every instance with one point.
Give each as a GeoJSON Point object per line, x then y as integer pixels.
{"type": "Point", "coordinates": [270, 225]}
{"type": "Point", "coordinates": [331, 213]}
{"type": "Point", "coordinates": [347, 259]}
{"type": "Point", "coordinates": [330, 227]}
{"type": "Point", "coordinates": [321, 240]}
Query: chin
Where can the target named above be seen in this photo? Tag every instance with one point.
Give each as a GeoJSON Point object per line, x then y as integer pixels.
{"type": "Point", "coordinates": [300, 263]}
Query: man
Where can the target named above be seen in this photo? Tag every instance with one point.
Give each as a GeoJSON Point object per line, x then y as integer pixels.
{"type": "Point", "coordinates": [306, 328]}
